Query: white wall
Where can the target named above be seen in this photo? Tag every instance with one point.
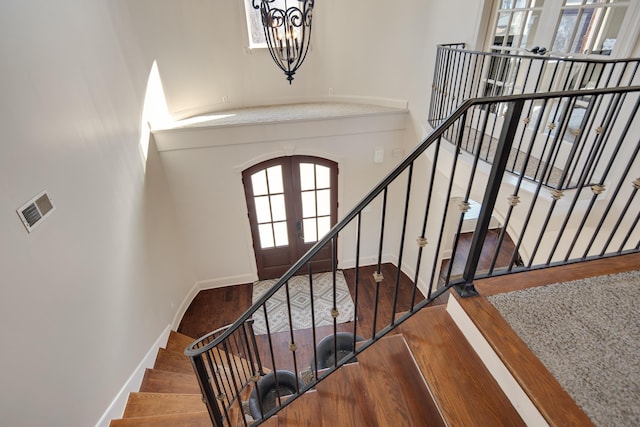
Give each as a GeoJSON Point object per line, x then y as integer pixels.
{"type": "Point", "coordinates": [359, 48]}
{"type": "Point", "coordinates": [206, 182]}
{"type": "Point", "coordinates": [85, 295]}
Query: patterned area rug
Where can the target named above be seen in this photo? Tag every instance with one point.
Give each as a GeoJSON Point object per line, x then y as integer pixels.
{"type": "Point", "coordinates": [299, 292]}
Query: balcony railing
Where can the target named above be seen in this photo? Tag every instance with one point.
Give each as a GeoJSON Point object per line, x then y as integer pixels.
{"type": "Point", "coordinates": [463, 74]}
{"type": "Point", "coordinates": [413, 217]}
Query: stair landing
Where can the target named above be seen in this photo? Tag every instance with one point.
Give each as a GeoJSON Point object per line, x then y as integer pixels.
{"type": "Point", "coordinates": [384, 388]}
{"type": "Point", "coordinates": [463, 388]}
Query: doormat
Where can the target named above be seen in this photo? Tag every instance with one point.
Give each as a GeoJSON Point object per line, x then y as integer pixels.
{"type": "Point", "coordinates": [300, 303]}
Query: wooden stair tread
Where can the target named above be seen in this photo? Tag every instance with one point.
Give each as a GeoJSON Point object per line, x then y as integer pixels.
{"type": "Point", "coordinates": [168, 360]}
{"type": "Point", "coordinates": [159, 381]}
{"type": "Point", "coordinates": [178, 342]}
{"type": "Point", "coordinates": [340, 404]}
{"type": "Point", "coordinates": [463, 388]}
{"type": "Point", "coordinates": [553, 402]}
{"type": "Point", "coordinates": [271, 422]}
{"type": "Point", "coordinates": [193, 419]}
{"type": "Point", "coordinates": [148, 404]}
{"type": "Point", "coordinates": [398, 393]}
{"type": "Point", "coordinates": [304, 412]}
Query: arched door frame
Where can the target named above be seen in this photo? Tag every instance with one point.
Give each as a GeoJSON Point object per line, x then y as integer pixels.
{"type": "Point", "coordinates": [275, 258]}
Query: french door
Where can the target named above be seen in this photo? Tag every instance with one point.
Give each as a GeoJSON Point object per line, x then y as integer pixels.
{"type": "Point", "coordinates": [581, 29]}
{"type": "Point", "coordinates": [577, 29]}
{"type": "Point", "coordinates": [564, 27]}
{"type": "Point", "coordinates": [292, 202]}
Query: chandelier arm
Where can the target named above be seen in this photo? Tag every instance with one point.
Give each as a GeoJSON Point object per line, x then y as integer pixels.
{"type": "Point", "coordinates": [287, 33]}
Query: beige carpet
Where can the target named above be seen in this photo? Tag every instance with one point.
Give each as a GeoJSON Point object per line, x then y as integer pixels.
{"type": "Point", "coordinates": [587, 334]}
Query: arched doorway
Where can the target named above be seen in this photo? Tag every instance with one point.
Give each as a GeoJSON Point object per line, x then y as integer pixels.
{"type": "Point", "coordinates": [292, 202]}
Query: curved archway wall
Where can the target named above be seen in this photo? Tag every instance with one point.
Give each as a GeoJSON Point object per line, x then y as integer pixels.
{"type": "Point", "coordinates": [359, 49]}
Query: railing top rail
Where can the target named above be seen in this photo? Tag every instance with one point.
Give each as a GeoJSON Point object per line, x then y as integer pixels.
{"type": "Point", "coordinates": [462, 47]}
{"type": "Point", "coordinates": [419, 150]}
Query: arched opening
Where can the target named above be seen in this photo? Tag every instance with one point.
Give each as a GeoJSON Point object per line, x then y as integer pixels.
{"type": "Point", "coordinates": [292, 202]}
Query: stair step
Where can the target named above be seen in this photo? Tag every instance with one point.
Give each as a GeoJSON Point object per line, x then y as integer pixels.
{"type": "Point", "coordinates": [551, 400]}
{"type": "Point", "coordinates": [147, 404]}
{"type": "Point", "coordinates": [178, 342]}
{"type": "Point", "coordinates": [304, 412]}
{"type": "Point", "coordinates": [339, 400]}
{"type": "Point", "coordinates": [463, 388]}
{"type": "Point", "coordinates": [398, 393]}
{"type": "Point", "coordinates": [168, 360]}
{"type": "Point", "coordinates": [159, 381]}
{"type": "Point", "coordinates": [271, 422]}
{"type": "Point", "coordinates": [193, 419]}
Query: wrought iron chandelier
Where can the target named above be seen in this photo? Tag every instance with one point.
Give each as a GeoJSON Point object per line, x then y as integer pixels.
{"type": "Point", "coordinates": [287, 31]}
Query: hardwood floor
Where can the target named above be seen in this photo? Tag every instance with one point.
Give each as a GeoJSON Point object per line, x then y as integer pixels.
{"type": "Point", "coordinates": [492, 248]}
{"type": "Point", "coordinates": [435, 343]}
{"type": "Point", "coordinates": [215, 308]}
{"type": "Point", "coordinates": [566, 273]}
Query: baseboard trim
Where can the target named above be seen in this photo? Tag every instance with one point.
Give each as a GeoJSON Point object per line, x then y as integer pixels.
{"type": "Point", "coordinates": [512, 389]}
{"type": "Point", "coordinates": [227, 281]}
{"type": "Point", "coordinates": [116, 408]}
{"type": "Point", "coordinates": [209, 284]}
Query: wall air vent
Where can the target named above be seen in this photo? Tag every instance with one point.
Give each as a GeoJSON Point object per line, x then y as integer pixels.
{"type": "Point", "coordinates": [36, 210]}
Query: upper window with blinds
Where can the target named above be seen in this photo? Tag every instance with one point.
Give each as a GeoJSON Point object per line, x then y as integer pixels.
{"type": "Point", "coordinates": [517, 23]}
{"type": "Point", "coordinates": [589, 26]}
{"type": "Point", "coordinates": [255, 29]}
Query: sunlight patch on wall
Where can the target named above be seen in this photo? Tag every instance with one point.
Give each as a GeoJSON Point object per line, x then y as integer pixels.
{"type": "Point", "coordinates": [155, 113]}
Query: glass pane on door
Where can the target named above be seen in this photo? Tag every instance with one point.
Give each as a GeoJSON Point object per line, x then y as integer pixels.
{"type": "Point", "coordinates": [315, 183]}
{"type": "Point", "coordinates": [269, 201]}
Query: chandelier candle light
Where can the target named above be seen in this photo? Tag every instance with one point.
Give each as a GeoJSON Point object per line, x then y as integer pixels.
{"type": "Point", "coordinates": [287, 31]}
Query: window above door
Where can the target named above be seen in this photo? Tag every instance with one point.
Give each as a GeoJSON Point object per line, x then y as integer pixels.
{"type": "Point", "coordinates": [563, 27]}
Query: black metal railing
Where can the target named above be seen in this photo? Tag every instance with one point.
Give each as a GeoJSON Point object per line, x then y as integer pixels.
{"type": "Point", "coordinates": [412, 219]}
{"type": "Point", "coordinates": [464, 74]}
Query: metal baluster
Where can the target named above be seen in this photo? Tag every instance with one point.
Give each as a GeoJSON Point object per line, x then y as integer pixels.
{"type": "Point", "coordinates": [292, 346]}
{"type": "Point", "coordinates": [357, 278]}
{"type": "Point", "coordinates": [313, 322]}
{"type": "Point", "coordinates": [209, 396]}
{"type": "Point", "coordinates": [464, 205]}
{"type": "Point", "coordinates": [378, 274]}
{"type": "Point", "coordinates": [422, 241]}
{"type": "Point", "coordinates": [401, 249]}
{"type": "Point", "coordinates": [436, 260]}
{"type": "Point", "coordinates": [599, 141]}
{"type": "Point", "coordinates": [514, 198]}
{"type": "Point", "coordinates": [620, 182]}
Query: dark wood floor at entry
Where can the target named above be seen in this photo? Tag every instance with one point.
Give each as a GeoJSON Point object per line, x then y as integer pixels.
{"type": "Point", "coordinates": [214, 308]}
{"type": "Point", "coordinates": [491, 246]}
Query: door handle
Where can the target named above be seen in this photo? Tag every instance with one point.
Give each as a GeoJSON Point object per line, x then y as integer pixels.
{"type": "Point", "coordinates": [538, 50]}
{"type": "Point", "coordinates": [299, 230]}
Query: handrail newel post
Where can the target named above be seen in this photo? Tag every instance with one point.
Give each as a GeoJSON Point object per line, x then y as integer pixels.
{"type": "Point", "coordinates": [209, 397]}
{"type": "Point", "coordinates": [505, 142]}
